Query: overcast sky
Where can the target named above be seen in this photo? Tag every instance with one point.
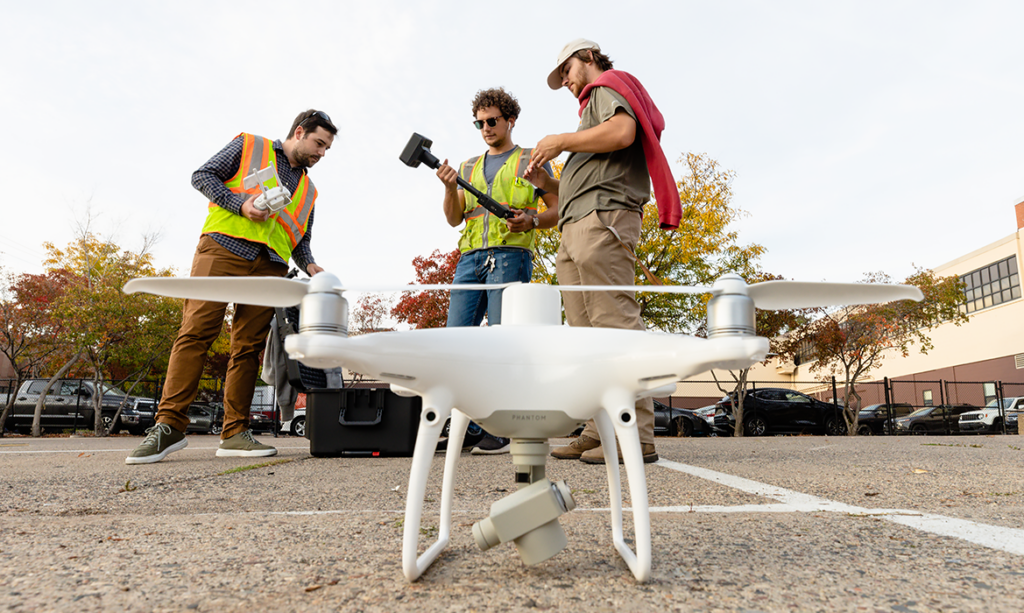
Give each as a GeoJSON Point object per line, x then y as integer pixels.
{"type": "Point", "coordinates": [865, 136]}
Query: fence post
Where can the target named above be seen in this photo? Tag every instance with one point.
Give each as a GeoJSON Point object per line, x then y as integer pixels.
{"type": "Point", "coordinates": [890, 423]}
{"type": "Point", "coordinates": [835, 399]}
{"type": "Point", "coordinates": [1002, 410]}
{"type": "Point", "coordinates": [945, 412]}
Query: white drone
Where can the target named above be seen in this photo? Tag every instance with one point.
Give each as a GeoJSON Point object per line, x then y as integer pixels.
{"type": "Point", "coordinates": [573, 374]}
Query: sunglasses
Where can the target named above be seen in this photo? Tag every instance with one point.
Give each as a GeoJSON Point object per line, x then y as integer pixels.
{"type": "Point", "coordinates": [322, 116]}
{"type": "Point", "coordinates": [491, 121]}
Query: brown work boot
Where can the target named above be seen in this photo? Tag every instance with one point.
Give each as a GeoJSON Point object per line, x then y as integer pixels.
{"type": "Point", "coordinates": [596, 455]}
{"type": "Point", "coordinates": [575, 449]}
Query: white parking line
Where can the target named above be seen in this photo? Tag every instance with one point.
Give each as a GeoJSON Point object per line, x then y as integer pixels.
{"type": "Point", "coordinates": [1010, 540]}
{"type": "Point", "coordinates": [190, 448]}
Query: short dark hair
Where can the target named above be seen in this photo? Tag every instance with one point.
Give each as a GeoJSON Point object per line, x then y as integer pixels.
{"type": "Point", "coordinates": [312, 119]}
{"type": "Point", "coordinates": [603, 61]}
{"type": "Point", "coordinates": [497, 97]}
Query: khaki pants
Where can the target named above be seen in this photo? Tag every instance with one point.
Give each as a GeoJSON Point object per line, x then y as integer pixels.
{"type": "Point", "coordinates": [591, 255]}
{"type": "Point", "coordinates": [201, 324]}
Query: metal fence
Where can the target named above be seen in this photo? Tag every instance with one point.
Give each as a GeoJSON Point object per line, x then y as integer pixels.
{"type": "Point", "coordinates": [918, 394]}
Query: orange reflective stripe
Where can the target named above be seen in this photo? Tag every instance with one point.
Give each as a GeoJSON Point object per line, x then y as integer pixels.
{"type": "Point", "coordinates": [524, 161]}
{"type": "Point", "coordinates": [307, 196]}
{"type": "Point", "coordinates": [477, 212]}
{"type": "Point", "coordinates": [466, 170]}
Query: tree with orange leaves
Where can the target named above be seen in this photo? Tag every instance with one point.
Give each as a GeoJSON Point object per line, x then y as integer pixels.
{"type": "Point", "coordinates": [428, 309]}
{"type": "Point", "coordinates": [850, 342]}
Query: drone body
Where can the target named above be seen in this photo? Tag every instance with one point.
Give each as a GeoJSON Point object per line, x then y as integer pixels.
{"type": "Point", "coordinates": [529, 379]}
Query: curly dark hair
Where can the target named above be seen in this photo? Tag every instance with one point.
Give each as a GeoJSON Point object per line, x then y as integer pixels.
{"type": "Point", "coordinates": [496, 97]}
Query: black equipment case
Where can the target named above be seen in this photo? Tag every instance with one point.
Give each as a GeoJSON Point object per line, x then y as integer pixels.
{"type": "Point", "coordinates": [361, 422]}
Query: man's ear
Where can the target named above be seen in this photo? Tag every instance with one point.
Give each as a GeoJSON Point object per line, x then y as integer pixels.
{"type": "Point", "coordinates": [299, 133]}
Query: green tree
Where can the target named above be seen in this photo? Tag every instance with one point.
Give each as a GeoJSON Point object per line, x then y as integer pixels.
{"type": "Point", "coordinates": [106, 327]}
{"type": "Point", "coordinates": [701, 250]}
{"type": "Point", "coordinates": [850, 342]}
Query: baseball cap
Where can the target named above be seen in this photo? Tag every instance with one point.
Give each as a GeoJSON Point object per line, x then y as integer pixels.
{"type": "Point", "coordinates": [555, 81]}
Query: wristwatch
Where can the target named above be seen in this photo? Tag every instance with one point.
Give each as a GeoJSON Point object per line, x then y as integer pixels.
{"type": "Point", "coordinates": [536, 221]}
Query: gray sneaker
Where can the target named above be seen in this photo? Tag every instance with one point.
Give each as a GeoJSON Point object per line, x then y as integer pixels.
{"type": "Point", "coordinates": [243, 445]}
{"type": "Point", "coordinates": [160, 440]}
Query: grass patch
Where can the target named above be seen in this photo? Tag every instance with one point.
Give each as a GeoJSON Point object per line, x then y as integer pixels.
{"type": "Point", "coordinates": [239, 469]}
{"type": "Point", "coordinates": [951, 445]}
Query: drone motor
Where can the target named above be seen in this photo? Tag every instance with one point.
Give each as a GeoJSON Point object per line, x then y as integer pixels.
{"type": "Point", "coordinates": [324, 309]}
{"type": "Point", "coordinates": [731, 310]}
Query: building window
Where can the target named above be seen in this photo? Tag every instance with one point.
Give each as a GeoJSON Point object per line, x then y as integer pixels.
{"type": "Point", "coordinates": [926, 397]}
{"type": "Point", "coordinates": [991, 285]}
{"type": "Point", "coordinates": [990, 391]}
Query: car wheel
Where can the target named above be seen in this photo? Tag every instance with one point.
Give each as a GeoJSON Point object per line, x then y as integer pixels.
{"type": "Point", "coordinates": [835, 426]}
{"type": "Point", "coordinates": [755, 426]}
{"type": "Point", "coordinates": [108, 424]}
{"type": "Point", "coordinates": [682, 427]}
{"type": "Point", "coordinates": [216, 428]}
{"type": "Point", "coordinates": [299, 426]}
{"type": "Point", "coordinates": [918, 429]}
{"type": "Point", "coordinates": [864, 430]}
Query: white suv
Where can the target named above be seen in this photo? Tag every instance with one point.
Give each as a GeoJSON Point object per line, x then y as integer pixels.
{"type": "Point", "coordinates": [989, 419]}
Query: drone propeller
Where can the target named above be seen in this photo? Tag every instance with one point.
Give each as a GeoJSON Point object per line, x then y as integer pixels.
{"type": "Point", "coordinates": [263, 291]}
{"type": "Point", "coordinates": [266, 291]}
{"type": "Point", "coordinates": [775, 295]}
{"type": "Point", "coordinates": [281, 292]}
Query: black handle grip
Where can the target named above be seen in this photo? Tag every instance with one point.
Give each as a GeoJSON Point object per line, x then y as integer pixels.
{"type": "Point", "coordinates": [486, 201]}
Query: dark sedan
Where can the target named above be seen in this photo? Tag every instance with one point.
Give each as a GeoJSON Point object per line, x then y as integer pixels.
{"type": "Point", "coordinates": [875, 418]}
{"type": "Point", "coordinates": [781, 411]}
{"type": "Point", "coordinates": [943, 419]}
{"type": "Point", "coordinates": [673, 421]}
{"type": "Point", "coordinates": [206, 418]}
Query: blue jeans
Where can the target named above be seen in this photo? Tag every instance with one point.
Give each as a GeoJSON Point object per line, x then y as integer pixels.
{"type": "Point", "coordinates": [490, 266]}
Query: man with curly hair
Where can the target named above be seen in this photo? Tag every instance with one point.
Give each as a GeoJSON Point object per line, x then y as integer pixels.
{"type": "Point", "coordinates": [494, 250]}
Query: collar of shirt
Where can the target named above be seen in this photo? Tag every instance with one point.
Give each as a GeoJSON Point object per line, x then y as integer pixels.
{"type": "Point", "coordinates": [288, 175]}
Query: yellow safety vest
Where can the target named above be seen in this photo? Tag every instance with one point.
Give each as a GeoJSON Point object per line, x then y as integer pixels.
{"type": "Point", "coordinates": [484, 229]}
{"type": "Point", "coordinates": [285, 228]}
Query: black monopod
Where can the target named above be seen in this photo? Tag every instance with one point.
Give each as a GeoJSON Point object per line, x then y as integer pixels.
{"type": "Point", "coordinates": [418, 150]}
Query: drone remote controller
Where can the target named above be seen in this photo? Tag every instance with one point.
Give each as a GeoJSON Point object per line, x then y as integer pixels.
{"type": "Point", "coordinates": [274, 196]}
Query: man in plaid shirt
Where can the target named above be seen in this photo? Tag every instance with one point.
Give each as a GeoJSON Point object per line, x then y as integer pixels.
{"type": "Point", "coordinates": [239, 240]}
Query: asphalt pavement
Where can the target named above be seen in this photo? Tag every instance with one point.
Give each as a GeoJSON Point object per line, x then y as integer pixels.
{"type": "Point", "coordinates": [906, 524]}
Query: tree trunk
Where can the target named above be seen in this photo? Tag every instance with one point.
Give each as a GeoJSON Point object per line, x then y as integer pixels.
{"type": "Point", "coordinates": [97, 402]}
{"type": "Point", "coordinates": [37, 428]}
{"type": "Point", "coordinates": [9, 406]}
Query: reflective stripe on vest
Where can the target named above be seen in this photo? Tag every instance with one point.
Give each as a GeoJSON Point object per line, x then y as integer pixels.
{"type": "Point", "coordinates": [484, 229]}
{"type": "Point", "coordinates": [284, 229]}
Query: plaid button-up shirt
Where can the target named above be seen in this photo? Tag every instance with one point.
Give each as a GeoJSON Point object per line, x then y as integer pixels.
{"type": "Point", "coordinates": [209, 180]}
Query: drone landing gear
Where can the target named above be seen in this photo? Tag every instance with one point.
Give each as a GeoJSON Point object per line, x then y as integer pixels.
{"type": "Point", "coordinates": [529, 517]}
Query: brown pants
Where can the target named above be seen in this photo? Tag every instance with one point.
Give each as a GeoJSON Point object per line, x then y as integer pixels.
{"type": "Point", "coordinates": [591, 255]}
{"type": "Point", "coordinates": [201, 324]}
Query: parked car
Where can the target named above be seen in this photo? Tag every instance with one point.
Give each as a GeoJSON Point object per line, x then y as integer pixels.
{"type": "Point", "coordinates": [990, 418]}
{"type": "Point", "coordinates": [942, 419]}
{"type": "Point", "coordinates": [1012, 419]}
{"type": "Point", "coordinates": [673, 421]}
{"type": "Point", "coordinates": [262, 419]}
{"type": "Point", "coordinates": [779, 410]}
{"type": "Point", "coordinates": [879, 418]}
{"type": "Point", "coordinates": [205, 417]}
{"type": "Point", "coordinates": [297, 424]}
{"type": "Point", "coordinates": [140, 416]}
{"type": "Point", "coordinates": [69, 404]}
